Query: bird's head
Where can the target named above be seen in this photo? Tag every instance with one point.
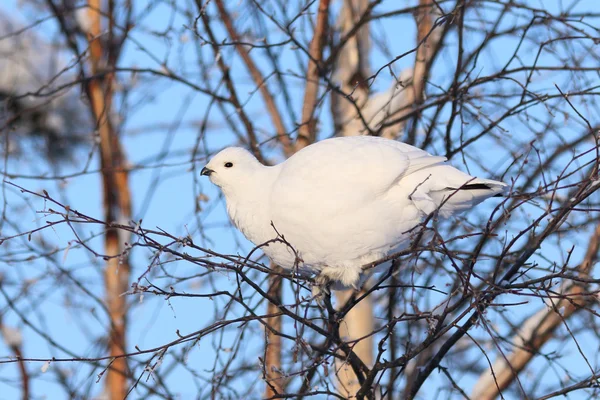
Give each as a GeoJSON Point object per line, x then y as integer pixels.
{"type": "Point", "coordinates": [231, 168]}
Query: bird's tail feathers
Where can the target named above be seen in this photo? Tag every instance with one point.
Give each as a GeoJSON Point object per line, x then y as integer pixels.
{"type": "Point", "coordinates": [488, 187]}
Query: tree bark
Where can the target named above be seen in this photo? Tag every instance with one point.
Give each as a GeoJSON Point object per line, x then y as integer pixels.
{"type": "Point", "coordinates": [273, 341]}
{"type": "Point", "coordinates": [117, 207]}
{"type": "Point", "coordinates": [356, 326]}
{"type": "Point", "coordinates": [308, 127]}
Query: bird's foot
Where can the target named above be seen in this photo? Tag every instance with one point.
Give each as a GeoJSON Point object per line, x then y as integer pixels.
{"type": "Point", "coordinates": [321, 289]}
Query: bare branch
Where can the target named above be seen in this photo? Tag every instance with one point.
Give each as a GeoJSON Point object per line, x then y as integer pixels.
{"type": "Point", "coordinates": [307, 131]}
{"type": "Point", "coordinates": [259, 80]}
{"type": "Point", "coordinates": [538, 329]}
{"type": "Point", "coordinates": [117, 203]}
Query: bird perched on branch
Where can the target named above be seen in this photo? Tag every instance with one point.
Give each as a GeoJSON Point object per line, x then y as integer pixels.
{"type": "Point", "coordinates": [342, 203]}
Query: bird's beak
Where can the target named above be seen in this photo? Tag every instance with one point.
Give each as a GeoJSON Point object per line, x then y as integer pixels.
{"type": "Point", "coordinates": [206, 171]}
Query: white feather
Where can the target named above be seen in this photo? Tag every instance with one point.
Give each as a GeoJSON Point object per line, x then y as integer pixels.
{"type": "Point", "coordinates": [341, 203]}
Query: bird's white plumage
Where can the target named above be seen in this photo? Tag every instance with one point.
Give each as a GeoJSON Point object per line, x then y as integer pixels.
{"type": "Point", "coordinates": [341, 203]}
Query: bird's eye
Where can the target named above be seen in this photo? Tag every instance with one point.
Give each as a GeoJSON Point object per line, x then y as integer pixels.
{"type": "Point", "coordinates": [228, 165]}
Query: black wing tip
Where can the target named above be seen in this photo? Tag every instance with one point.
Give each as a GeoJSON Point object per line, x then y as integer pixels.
{"type": "Point", "coordinates": [478, 186]}
{"type": "Point", "coordinates": [473, 186]}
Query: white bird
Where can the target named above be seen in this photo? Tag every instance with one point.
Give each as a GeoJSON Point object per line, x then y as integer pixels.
{"type": "Point", "coordinates": [342, 203]}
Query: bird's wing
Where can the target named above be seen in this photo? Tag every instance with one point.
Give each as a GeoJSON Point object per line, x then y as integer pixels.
{"type": "Point", "coordinates": [349, 170]}
{"type": "Point", "coordinates": [331, 200]}
{"type": "Point", "coordinates": [333, 188]}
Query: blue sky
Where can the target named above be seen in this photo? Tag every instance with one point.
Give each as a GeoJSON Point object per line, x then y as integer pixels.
{"type": "Point", "coordinates": [165, 197]}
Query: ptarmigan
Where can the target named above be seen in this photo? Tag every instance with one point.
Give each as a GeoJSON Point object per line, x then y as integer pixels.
{"type": "Point", "coordinates": [341, 203]}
